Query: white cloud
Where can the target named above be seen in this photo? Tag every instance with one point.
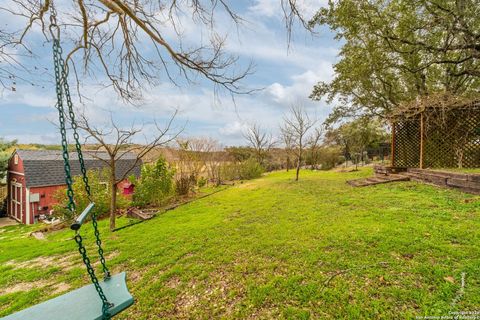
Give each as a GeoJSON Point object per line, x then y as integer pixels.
{"type": "Point", "coordinates": [301, 86]}
{"type": "Point", "coordinates": [235, 128]}
{"type": "Point", "coordinates": [272, 8]}
{"type": "Point", "coordinates": [32, 96]}
{"type": "Point", "coordinates": [224, 122]}
{"type": "Point", "coordinates": [296, 71]}
{"type": "Point", "coordinates": [268, 8]}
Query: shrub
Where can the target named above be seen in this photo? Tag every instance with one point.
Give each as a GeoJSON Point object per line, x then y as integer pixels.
{"type": "Point", "coordinates": [229, 171]}
{"type": "Point", "coordinates": [202, 181]}
{"type": "Point", "coordinates": [155, 185]}
{"type": "Point", "coordinates": [184, 184]}
{"type": "Point", "coordinates": [246, 170]}
{"type": "Point", "coordinates": [329, 157]}
{"type": "Point", "coordinates": [99, 189]}
{"type": "Point", "coordinates": [250, 169]}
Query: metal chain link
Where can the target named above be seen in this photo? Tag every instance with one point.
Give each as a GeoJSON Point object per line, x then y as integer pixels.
{"type": "Point", "coordinates": [91, 272]}
{"type": "Point", "coordinates": [62, 88]}
{"type": "Point", "coordinates": [74, 126]}
{"type": "Point", "coordinates": [98, 241]}
{"type": "Point", "coordinates": [83, 169]}
{"type": "Point", "coordinates": [63, 132]}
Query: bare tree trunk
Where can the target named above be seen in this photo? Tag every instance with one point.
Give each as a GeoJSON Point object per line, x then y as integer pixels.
{"type": "Point", "coordinates": [459, 153]}
{"type": "Point", "coordinates": [113, 199]}
{"type": "Point", "coordinates": [298, 168]}
{"type": "Point", "coordinates": [288, 163]}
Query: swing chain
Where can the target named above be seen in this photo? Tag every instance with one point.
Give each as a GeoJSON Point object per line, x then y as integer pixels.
{"type": "Point", "coordinates": [91, 272]}
{"type": "Point", "coordinates": [74, 126]}
{"type": "Point", "coordinates": [57, 51]}
{"type": "Point", "coordinates": [106, 272]}
{"type": "Point", "coordinates": [62, 88]}
{"type": "Point", "coordinates": [78, 147]}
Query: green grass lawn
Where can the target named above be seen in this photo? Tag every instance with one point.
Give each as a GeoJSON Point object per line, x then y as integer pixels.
{"type": "Point", "coordinates": [275, 248]}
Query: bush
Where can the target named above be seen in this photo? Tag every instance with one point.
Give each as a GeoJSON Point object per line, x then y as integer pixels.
{"type": "Point", "coordinates": [229, 171]}
{"type": "Point", "coordinates": [246, 170]}
{"type": "Point", "coordinates": [250, 169]}
{"type": "Point", "coordinates": [155, 185]}
{"type": "Point", "coordinates": [99, 189]}
{"type": "Point", "coordinates": [184, 184]}
{"type": "Point", "coordinates": [329, 157]}
{"type": "Point", "coordinates": [202, 181]}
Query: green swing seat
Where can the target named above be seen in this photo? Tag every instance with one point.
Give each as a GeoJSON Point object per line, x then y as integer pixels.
{"type": "Point", "coordinates": [80, 304]}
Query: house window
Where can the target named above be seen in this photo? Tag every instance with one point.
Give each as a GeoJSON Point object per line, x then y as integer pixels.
{"type": "Point", "coordinates": [15, 159]}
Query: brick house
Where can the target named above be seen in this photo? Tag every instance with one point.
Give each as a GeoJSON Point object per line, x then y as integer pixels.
{"type": "Point", "coordinates": [34, 175]}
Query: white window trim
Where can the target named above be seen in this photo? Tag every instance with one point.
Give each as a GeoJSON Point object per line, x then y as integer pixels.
{"type": "Point", "coordinates": [27, 203]}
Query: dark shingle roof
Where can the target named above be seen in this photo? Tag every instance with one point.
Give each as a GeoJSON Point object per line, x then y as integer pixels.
{"type": "Point", "coordinates": [45, 167]}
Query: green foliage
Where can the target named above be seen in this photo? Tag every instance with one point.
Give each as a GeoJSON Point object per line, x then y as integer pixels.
{"type": "Point", "coordinates": [250, 169]}
{"type": "Point", "coordinates": [202, 182]}
{"type": "Point", "coordinates": [356, 136]}
{"type": "Point", "coordinates": [229, 171]}
{"type": "Point", "coordinates": [240, 154]}
{"type": "Point", "coordinates": [4, 156]}
{"type": "Point", "coordinates": [395, 51]}
{"type": "Point", "coordinates": [100, 191]}
{"type": "Point", "coordinates": [246, 170]}
{"type": "Point", "coordinates": [155, 185]}
{"type": "Point", "coordinates": [329, 157]}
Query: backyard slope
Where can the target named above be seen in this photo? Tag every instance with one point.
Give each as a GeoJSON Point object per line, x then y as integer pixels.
{"type": "Point", "coordinates": [275, 248]}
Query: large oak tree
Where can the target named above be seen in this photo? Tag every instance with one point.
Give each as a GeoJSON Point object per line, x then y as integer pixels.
{"type": "Point", "coordinates": [397, 50]}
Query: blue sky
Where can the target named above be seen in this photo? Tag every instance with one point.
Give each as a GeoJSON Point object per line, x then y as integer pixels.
{"type": "Point", "coordinates": [286, 76]}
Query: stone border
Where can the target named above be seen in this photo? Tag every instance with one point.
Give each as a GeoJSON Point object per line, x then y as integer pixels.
{"type": "Point", "coordinates": [465, 182]}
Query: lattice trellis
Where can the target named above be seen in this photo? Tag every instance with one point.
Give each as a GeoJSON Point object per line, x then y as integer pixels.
{"type": "Point", "coordinates": [450, 139]}
{"type": "Point", "coordinates": [406, 151]}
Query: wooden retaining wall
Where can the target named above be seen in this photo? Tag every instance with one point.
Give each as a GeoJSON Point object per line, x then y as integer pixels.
{"type": "Point", "coordinates": [387, 170]}
{"type": "Point", "coordinates": [469, 183]}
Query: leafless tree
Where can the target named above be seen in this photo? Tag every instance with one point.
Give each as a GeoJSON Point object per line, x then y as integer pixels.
{"type": "Point", "coordinates": [297, 125]}
{"type": "Point", "coordinates": [213, 162]}
{"type": "Point", "coordinates": [287, 140]}
{"type": "Point", "coordinates": [118, 142]}
{"type": "Point", "coordinates": [313, 146]}
{"type": "Point", "coordinates": [260, 141]}
{"type": "Point", "coordinates": [193, 155]}
{"type": "Point", "coordinates": [128, 43]}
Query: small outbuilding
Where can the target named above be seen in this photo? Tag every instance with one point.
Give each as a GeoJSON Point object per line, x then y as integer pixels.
{"type": "Point", "coordinates": [35, 175]}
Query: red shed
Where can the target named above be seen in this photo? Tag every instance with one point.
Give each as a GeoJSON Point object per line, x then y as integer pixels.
{"type": "Point", "coordinates": [35, 175]}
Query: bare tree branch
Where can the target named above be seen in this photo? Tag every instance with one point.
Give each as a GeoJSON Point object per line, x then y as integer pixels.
{"type": "Point", "coordinates": [118, 143]}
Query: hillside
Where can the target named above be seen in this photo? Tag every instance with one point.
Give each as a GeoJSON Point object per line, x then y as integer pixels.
{"type": "Point", "coordinates": [274, 248]}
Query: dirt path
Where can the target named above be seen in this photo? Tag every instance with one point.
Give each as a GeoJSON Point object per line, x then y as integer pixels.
{"type": "Point", "coordinates": [7, 222]}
